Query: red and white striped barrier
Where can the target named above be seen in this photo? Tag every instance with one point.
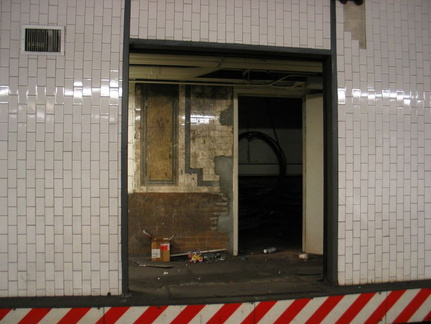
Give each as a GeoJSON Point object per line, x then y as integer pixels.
{"type": "Point", "coordinates": [399, 306]}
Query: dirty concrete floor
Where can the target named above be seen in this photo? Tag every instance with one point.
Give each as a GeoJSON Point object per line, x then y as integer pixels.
{"type": "Point", "coordinates": [250, 276]}
{"type": "Point", "coordinates": [266, 219]}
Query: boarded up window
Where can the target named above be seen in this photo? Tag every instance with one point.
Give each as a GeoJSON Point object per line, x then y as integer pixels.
{"type": "Point", "coordinates": [159, 134]}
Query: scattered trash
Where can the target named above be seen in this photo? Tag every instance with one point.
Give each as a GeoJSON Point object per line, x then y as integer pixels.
{"type": "Point", "coordinates": [195, 256]}
{"type": "Point", "coordinates": [150, 265]}
{"type": "Point", "coordinates": [270, 250]}
{"type": "Point", "coordinates": [165, 273]}
{"type": "Point", "coordinates": [160, 246]}
{"type": "Point", "coordinates": [212, 256]}
{"type": "Point", "coordinates": [150, 236]}
{"type": "Point", "coordinates": [160, 249]}
{"type": "Point", "coordinates": [202, 252]}
{"type": "Point", "coordinates": [303, 256]}
{"type": "Point", "coordinates": [147, 234]}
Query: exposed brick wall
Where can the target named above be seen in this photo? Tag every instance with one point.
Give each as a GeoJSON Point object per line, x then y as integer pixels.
{"type": "Point", "coordinates": [191, 217]}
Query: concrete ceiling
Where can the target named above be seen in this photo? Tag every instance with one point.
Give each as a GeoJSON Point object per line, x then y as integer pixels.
{"type": "Point", "coordinates": [222, 70]}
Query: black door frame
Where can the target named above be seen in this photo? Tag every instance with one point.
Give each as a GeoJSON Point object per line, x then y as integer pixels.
{"type": "Point", "coordinates": [329, 61]}
{"type": "Point", "coordinates": [326, 57]}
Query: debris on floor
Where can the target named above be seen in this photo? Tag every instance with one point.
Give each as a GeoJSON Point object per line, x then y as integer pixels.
{"type": "Point", "coordinates": [303, 256]}
{"type": "Point", "coordinates": [243, 275]}
{"type": "Point", "coordinates": [204, 252]}
{"type": "Point", "coordinates": [161, 249]}
{"type": "Point", "coordinates": [270, 250]}
{"type": "Point", "coordinates": [150, 265]}
{"type": "Point", "coordinates": [195, 256]}
{"type": "Point", "coordinates": [160, 246]}
{"type": "Point", "coordinates": [211, 256]}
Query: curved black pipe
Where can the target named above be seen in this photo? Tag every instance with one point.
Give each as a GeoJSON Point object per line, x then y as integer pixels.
{"type": "Point", "coordinates": [250, 135]}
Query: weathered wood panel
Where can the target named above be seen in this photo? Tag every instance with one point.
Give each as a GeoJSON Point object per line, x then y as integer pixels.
{"type": "Point", "coordinates": [159, 127]}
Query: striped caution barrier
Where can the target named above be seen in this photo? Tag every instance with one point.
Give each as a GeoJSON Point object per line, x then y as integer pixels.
{"type": "Point", "coordinates": [399, 306]}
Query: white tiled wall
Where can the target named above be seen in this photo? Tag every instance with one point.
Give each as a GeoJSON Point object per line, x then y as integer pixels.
{"type": "Point", "coordinates": [59, 151]}
{"type": "Point", "coordinates": [60, 131]}
{"type": "Point", "coordinates": [384, 113]}
{"type": "Point", "coordinates": [385, 145]}
{"type": "Point", "coordinates": [293, 23]}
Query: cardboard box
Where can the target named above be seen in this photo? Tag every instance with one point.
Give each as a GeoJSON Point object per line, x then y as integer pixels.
{"type": "Point", "coordinates": [160, 249]}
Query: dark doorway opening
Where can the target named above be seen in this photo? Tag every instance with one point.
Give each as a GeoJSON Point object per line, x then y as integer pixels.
{"type": "Point", "coordinates": [288, 269]}
{"type": "Point", "coordinates": [269, 174]}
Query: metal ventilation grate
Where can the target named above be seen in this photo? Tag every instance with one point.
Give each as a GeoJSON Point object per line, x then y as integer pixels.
{"type": "Point", "coordinates": [42, 40]}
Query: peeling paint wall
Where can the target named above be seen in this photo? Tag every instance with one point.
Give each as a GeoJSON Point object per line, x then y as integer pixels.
{"type": "Point", "coordinates": [202, 135]}
{"type": "Point", "coordinates": [204, 165]}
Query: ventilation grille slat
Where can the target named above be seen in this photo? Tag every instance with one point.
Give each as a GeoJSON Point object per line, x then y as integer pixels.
{"type": "Point", "coordinates": [42, 40]}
